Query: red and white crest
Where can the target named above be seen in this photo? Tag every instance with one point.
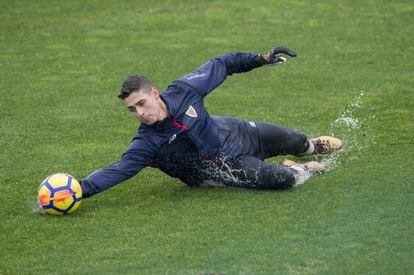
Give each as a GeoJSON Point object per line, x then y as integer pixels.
{"type": "Point", "coordinates": [191, 112]}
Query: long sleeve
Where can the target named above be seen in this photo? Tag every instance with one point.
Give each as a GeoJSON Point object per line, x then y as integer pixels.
{"type": "Point", "coordinates": [137, 156]}
{"type": "Point", "coordinates": [210, 75]}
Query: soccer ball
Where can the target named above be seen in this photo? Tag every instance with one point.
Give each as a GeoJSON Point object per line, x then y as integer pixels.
{"type": "Point", "coordinates": [60, 194]}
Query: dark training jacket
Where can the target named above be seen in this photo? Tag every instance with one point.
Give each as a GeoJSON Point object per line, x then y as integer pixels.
{"type": "Point", "coordinates": [189, 141]}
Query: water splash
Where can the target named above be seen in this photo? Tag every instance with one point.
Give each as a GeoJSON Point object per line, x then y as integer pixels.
{"type": "Point", "coordinates": [301, 177]}
{"type": "Point", "coordinates": [349, 122]}
{"type": "Point", "coordinates": [34, 206]}
{"type": "Point", "coordinates": [347, 119]}
{"type": "Point", "coordinates": [352, 127]}
{"type": "Point", "coordinates": [226, 175]}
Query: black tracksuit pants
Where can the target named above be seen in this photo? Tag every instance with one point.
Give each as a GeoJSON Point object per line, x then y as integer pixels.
{"type": "Point", "coordinates": [250, 171]}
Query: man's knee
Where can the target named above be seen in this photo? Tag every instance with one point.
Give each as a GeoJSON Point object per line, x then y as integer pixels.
{"type": "Point", "coordinates": [276, 177]}
{"type": "Point", "coordinates": [298, 143]}
{"type": "Point", "coordinates": [254, 173]}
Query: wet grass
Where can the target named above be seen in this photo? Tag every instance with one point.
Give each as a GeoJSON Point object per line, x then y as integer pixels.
{"type": "Point", "coordinates": [61, 65]}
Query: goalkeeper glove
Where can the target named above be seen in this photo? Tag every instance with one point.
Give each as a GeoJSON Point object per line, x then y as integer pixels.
{"type": "Point", "coordinates": [273, 57]}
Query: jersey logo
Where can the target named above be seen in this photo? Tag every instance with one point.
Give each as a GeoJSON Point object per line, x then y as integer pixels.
{"type": "Point", "coordinates": [196, 76]}
{"type": "Point", "coordinates": [191, 112]}
{"type": "Point", "coordinates": [172, 138]}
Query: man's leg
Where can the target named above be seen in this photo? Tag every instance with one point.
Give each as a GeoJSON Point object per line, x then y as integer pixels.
{"type": "Point", "coordinates": [278, 140]}
{"type": "Point", "coordinates": [250, 172]}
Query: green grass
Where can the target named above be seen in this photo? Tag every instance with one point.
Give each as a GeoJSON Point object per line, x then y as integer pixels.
{"type": "Point", "coordinates": [61, 66]}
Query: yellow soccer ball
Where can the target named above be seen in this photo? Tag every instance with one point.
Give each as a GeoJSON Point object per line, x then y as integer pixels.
{"type": "Point", "coordinates": [60, 194]}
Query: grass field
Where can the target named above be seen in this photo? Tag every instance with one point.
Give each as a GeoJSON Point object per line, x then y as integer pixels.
{"type": "Point", "coordinates": [61, 67]}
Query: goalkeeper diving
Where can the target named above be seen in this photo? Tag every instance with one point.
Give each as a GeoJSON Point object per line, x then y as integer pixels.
{"type": "Point", "coordinates": [178, 136]}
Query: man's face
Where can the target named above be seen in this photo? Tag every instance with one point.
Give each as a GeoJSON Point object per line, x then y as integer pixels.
{"type": "Point", "coordinates": [145, 106]}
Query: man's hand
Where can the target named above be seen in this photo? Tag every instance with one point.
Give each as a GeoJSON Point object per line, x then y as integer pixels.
{"type": "Point", "coordinates": [273, 57]}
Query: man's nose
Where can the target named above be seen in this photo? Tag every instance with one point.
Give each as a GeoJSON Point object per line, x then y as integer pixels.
{"type": "Point", "coordinates": [138, 113]}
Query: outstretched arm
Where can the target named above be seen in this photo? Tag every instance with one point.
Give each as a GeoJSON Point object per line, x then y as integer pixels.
{"type": "Point", "coordinates": [133, 160]}
{"type": "Point", "coordinates": [211, 74]}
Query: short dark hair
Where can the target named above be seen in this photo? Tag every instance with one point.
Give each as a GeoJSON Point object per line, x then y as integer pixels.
{"type": "Point", "coordinates": [135, 83]}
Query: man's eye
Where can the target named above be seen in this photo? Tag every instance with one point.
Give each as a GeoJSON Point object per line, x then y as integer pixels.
{"type": "Point", "coordinates": [141, 103]}
{"type": "Point", "coordinates": [131, 110]}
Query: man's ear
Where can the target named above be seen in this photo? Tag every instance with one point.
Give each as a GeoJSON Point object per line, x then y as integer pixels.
{"type": "Point", "coordinates": [155, 92]}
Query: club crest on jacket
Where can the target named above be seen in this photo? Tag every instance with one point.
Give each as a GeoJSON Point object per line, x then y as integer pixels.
{"type": "Point", "coordinates": [191, 112]}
